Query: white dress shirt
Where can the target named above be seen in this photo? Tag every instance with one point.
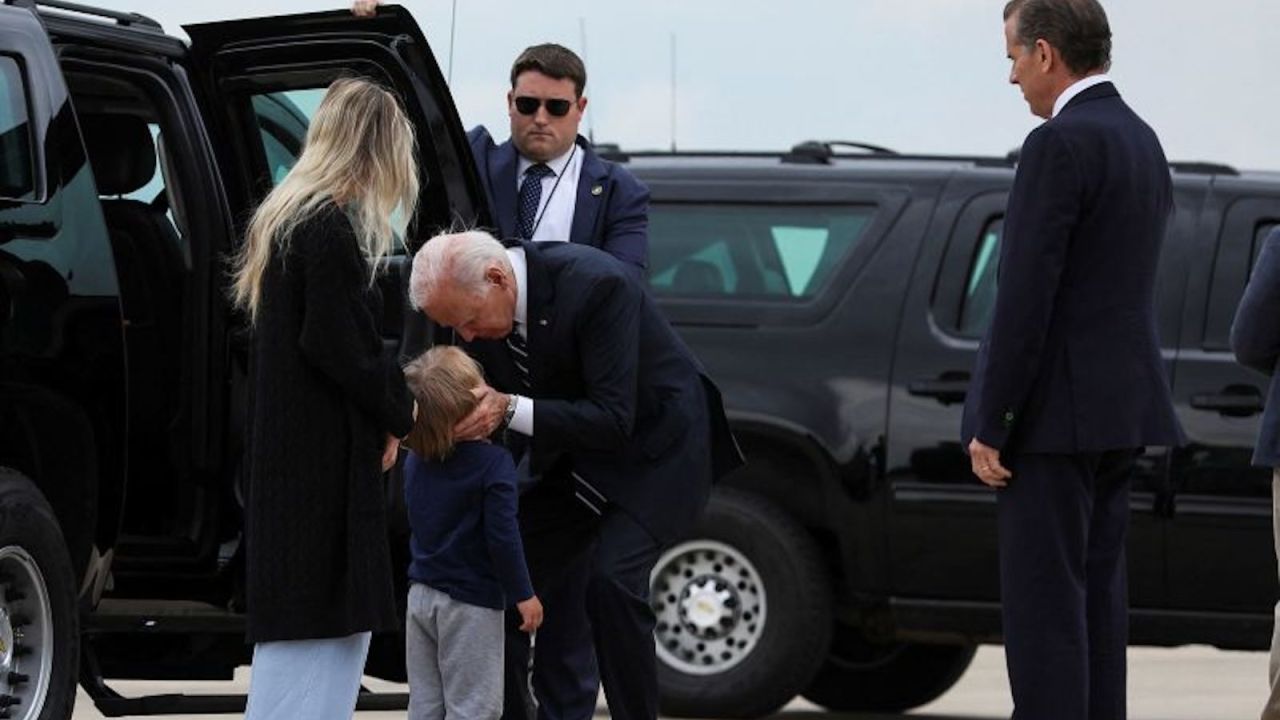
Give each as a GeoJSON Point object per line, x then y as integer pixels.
{"type": "Point", "coordinates": [522, 420]}
{"type": "Point", "coordinates": [1073, 90]}
{"type": "Point", "coordinates": [555, 207]}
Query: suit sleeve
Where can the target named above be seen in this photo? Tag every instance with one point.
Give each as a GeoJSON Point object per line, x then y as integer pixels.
{"type": "Point", "coordinates": [1044, 205]}
{"type": "Point", "coordinates": [609, 347]}
{"type": "Point", "coordinates": [502, 530]}
{"type": "Point", "coordinates": [339, 335]}
{"type": "Point", "coordinates": [626, 230]}
{"type": "Point", "coordinates": [1255, 333]}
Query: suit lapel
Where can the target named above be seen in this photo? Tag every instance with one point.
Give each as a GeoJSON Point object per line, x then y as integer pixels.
{"type": "Point", "coordinates": [593, 188]}
{"type": "Point", "coordinates": [502, 176]}
{"type": "Point", "coordinates": [541, 313]}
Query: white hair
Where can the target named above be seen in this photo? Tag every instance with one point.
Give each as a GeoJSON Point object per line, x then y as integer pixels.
{"type": "Point", "coordinates": [460, 259]}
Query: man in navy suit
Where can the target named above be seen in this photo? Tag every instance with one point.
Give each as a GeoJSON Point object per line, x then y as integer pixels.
{"type": "Point", "coordinates": [547, 184]}
{"type": "Point", "coordinates": [1069, 383]}
{"type": "Point", "coordinates": [619, 421]}
{"type": "Point", "coordinates": [1255, 338]}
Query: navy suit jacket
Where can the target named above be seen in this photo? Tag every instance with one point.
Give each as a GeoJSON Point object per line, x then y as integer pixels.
{"type": "Point", "coordinates": [1255, 338]}
{"type": "Point", "coordinates": [618, 397]}
{"type": "Point", "coordinates": [1071, 361]}
{"type": "Point", "coordinates": [611, 211]}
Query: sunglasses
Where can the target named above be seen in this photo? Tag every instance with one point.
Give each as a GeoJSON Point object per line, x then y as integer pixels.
{"type": "Point", "coordinates": [556, 107]}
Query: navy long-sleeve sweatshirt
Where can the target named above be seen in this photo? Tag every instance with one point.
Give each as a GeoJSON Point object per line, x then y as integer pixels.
{"type": "Point", "coordinates": [465, 538]}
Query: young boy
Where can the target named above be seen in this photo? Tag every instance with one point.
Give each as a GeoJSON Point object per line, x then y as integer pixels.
{"type": "Point", "coordinates": [468, 561]}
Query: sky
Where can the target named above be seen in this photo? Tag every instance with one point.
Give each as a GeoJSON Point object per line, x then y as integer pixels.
{"type": "Point", "coordinates": [920, 76]}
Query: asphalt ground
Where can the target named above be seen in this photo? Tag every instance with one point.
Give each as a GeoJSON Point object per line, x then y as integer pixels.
{"type": "Point", "coordinates": [1189, 683]}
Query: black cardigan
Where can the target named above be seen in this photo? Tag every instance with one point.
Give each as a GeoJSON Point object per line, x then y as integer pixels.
{"type": "Point", "coordinates": [324, 397]}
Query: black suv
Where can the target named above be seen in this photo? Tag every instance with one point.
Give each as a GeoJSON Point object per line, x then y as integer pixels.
{"type": "Point", "coordinates": [129, 162]}
{"type": "Point", "coordinates": [838, 296]}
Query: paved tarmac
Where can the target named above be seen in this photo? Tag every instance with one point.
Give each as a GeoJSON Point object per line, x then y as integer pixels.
{"type": "Point", "coordinates": [1190, 683]}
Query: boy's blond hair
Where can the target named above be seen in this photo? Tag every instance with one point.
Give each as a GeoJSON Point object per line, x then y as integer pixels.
{"type": "Point", "coordinates": [441, 380]}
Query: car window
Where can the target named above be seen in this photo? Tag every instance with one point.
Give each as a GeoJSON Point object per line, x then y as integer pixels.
{"type": "Point", "coordinates": [283, 118]}
{"type": "Point", "coordinates": [980, 285]}
{"type": "Point", "coordinates": [17, 170]}
{"type": "Point", "coordinates": [765, 252]}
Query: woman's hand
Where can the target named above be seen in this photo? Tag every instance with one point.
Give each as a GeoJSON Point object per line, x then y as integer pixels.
{"type": "Point", "coordinates": [390, 452]}
{"type": "Point", "coordinates": [486, 418]}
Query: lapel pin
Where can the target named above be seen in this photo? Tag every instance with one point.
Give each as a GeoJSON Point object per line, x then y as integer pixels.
{"type": "Point", "coordinates": [597, 189]}
{"type": "Point", "coordinates": [542, 322]}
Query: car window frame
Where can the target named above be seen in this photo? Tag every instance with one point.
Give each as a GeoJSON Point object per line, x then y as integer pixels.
{"type": "Point", "coordinates": [967, 232]}
{"type": "Point", "coordinates": [1232, 264]}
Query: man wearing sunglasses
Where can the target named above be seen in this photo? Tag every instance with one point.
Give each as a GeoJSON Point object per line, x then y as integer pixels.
{"type": "Point", "coordinates": [546, 183]}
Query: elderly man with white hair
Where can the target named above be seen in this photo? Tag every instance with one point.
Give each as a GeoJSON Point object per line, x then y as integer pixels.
{"type": "Point", "coordinates": [620, 425]}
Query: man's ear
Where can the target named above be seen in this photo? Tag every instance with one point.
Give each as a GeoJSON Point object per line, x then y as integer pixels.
{"type": "Point", "coordinates": [495, 276]}
{"type": "Point", "coordinates": [1045, 57]}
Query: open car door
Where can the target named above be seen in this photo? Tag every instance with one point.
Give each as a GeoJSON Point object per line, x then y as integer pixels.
{"type": "Point", "coordinates": [260, 79]}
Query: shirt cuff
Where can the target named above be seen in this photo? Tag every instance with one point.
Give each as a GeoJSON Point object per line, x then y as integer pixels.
{"type": "Point", "coordinates": [522, 420]}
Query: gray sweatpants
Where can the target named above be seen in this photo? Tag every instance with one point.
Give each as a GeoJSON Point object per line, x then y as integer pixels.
{"type": "Point", "coordinates": [453, 654]}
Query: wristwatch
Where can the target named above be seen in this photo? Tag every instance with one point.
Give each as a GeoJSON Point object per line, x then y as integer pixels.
{"type": "Point", "coordinates": [509, 413]}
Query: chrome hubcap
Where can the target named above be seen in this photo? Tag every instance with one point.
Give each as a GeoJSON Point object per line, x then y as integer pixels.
{"type": "Point", "coordinates": [710, 606]}
{"type": "Point", "coordinates": [26, 635]}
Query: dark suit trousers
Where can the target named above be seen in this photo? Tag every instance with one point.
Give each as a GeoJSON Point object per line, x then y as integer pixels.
{"type": "Point", "coordinates": [1063, 520]}
{"type": "Point", "coordinates": [592, 575]}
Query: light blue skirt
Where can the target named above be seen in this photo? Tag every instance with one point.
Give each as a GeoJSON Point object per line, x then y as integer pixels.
{"type": "Point", "coordinates": [313, 679]}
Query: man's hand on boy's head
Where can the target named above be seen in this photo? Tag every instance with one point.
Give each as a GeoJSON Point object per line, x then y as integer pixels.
{"type": "Point", "coordinates": [530, 614]}
{"type": "Point", "coordinates": [485, 418]}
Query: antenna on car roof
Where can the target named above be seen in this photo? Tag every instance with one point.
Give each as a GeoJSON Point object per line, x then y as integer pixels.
{"type": "Point", "coordinates": [582, 34]}
{"type": "Point", "coordinates": [453, 26]}
{"type": "Point", "coordinates": [673, 92]}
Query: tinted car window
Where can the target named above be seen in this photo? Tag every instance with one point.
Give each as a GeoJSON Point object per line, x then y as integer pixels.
{"type": "Point", "coordinates": [283, 118]}
{"type": "Point", "coordinates": [16, 166]}
{"type": "Point", "coordinates": [740, 251]}
{"type": "Point", "coordinates": [980, 285]}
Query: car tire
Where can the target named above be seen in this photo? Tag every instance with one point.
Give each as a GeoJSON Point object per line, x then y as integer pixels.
{"type": "Point", "coordinates": [39, 621]}
{"type": "Point", "coordinates": [743, 611]}
{"type": "Point", "coordinates": [860, 675]}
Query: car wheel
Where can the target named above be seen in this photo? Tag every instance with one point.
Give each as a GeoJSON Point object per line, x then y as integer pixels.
{"type": "Point", "coordinates": [887, 677]}
{"type": "Point", "coordinates": [39, 625]}
{"type": "Point", "coordinates": [743, 611]}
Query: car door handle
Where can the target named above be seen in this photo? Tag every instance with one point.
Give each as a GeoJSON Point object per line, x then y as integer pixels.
{"type": "Point", "coordinates": [948, 388]}
{"type": "Point", "coordinates": [1233, 401]}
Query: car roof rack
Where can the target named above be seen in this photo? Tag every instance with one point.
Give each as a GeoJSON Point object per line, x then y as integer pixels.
{"type": "Point", "coordinates": [121, 18]}
{"type": "Point", "coordinates": [820, 152]}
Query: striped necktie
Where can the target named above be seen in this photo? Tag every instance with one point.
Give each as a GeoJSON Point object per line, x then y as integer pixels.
{"type": "Point", "coordinates": [519, 350]}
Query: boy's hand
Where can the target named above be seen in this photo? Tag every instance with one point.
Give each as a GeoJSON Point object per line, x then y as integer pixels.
{"type": "Point", "coordinates": [365, 8]}
{"type": "Point", "coordinates": [390, 452]}
{"type": "Point", "coordinates": [530, 614]}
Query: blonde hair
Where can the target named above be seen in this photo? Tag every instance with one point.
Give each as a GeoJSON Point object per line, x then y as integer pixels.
{"type": "Point", "coordinates": [441, 380]}
{"type": "Point", "coordinates": [359, 152]}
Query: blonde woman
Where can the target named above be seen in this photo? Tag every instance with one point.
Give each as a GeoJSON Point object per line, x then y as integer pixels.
{"type": "Point", "coordinates": [326, 407]}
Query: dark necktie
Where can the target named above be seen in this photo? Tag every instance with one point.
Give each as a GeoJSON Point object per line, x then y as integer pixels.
{"type": "Point", "coordinates": [519, 350]}
{"type": "Point", "coordinates": [583, 490]}
{"type": "Point", "coordinates": [530, 196]}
